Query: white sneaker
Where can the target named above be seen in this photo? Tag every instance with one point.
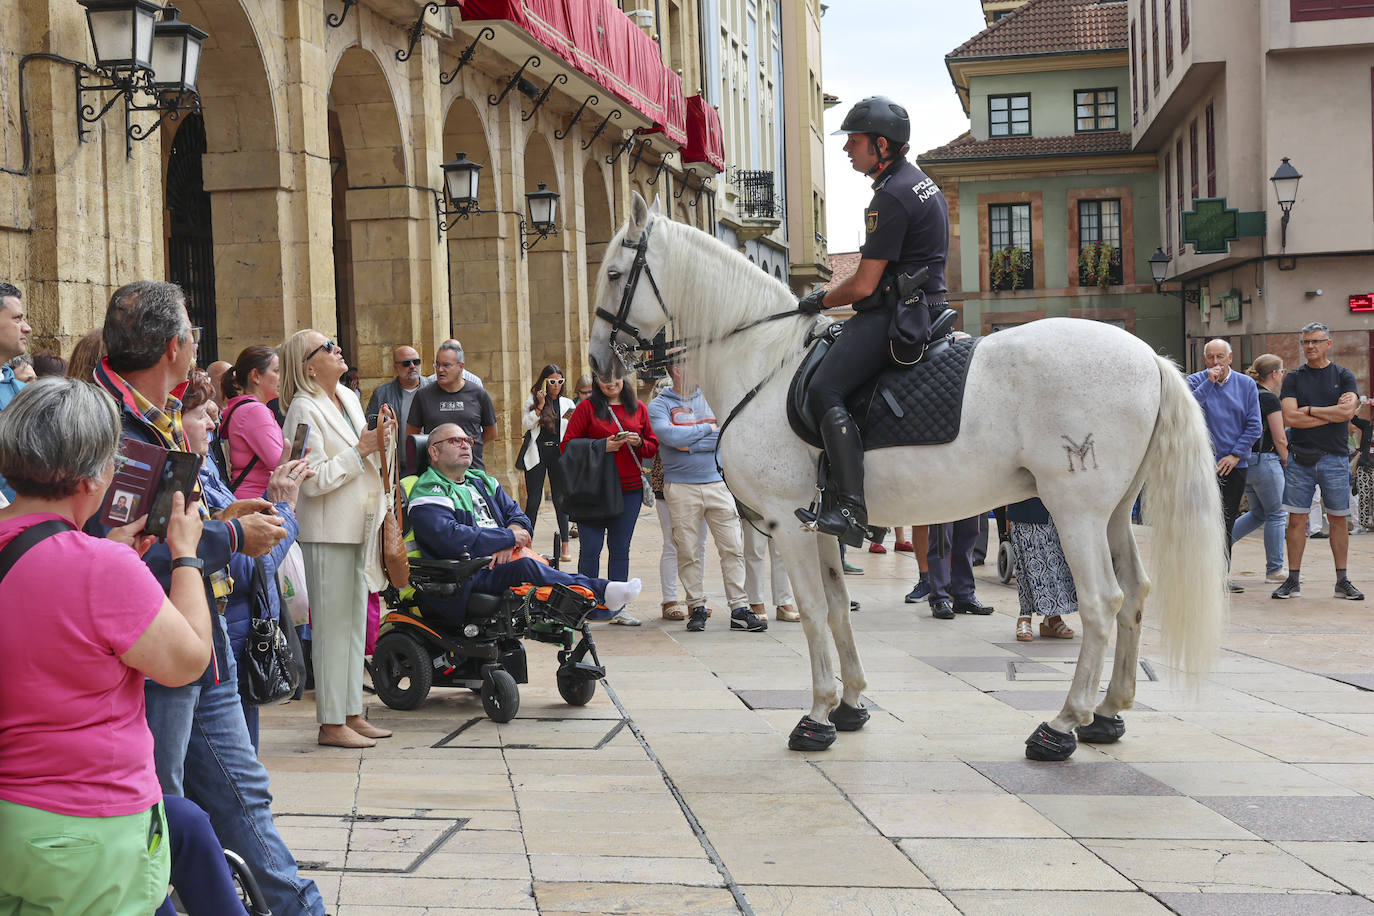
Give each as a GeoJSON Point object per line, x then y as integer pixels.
{"type": "Point", "coordinates": [626, 619]}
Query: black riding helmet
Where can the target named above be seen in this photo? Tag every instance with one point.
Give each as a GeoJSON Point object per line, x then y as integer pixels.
{"type": "Point", "coordinates": [879, 116]}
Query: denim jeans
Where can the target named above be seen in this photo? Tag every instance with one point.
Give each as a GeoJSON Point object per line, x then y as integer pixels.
{"type": "Point", "coordinates": [1264, 492]}
{"type": "Point", "coordinates": [1331, 473]}
{"type": "Point", "coordinates": [618, 533]}
{"type": "Point", "coordinates": [202, 751]}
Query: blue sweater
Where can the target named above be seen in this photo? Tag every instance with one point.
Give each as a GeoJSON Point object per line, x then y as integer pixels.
{"type": "Point", "coordinates": [9, 388]}
{"type": "Point", "coordinates": [1232, 412]}
{"type": "Point", "coordinates": [686, 441]}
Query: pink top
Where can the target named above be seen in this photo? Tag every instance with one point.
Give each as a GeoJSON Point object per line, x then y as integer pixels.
{"type": "Point", "coordinates": [253, 430]}
{"type": "Point", "coordinates": [73, 737]}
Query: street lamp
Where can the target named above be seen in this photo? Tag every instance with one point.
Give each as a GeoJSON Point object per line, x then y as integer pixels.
{"type": "Point", "coordinates": [1285, 181]}
{"type": "Point", "coordinates": [543, 205]}
{"type": "Point", "coordinates": [121, 32]}
{"type": "Point", "coordinates": [1159, 270]}
{"type": "Point", "coordinates": [461, 179]}
{"type": "Point", "coordinates": [176, 53]}
{"type": "Point", "coordinates": [459, 201]}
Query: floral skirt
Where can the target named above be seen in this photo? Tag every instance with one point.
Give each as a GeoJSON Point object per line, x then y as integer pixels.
{"type": "Point", "coordinates": [1043, 581]}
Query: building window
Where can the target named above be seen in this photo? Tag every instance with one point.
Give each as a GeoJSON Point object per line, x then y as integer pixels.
{"type": "Point", "coordinates": [1306, 10]}
{"type": "Point", "coordinates": [1099, 238]}
{"type": "Point", "coordinates": [1144, 65]}
{"type": "Point", "coordinates": [1154, 41]}
{"type": "Point", "coordinates": [1135, 82]}
{"type": "Point", "coordinates": [1168, 205]}
{"type": "Point", "coordinates": [1211, 151]}
{"type": "Point", "coordinates": [1178, 191]}
{"type": "Point", "coordinates": [1009, 115]}
{"type": "Point", "coordinates": [1192, 157]}
{"type": "Point", "coordinates": [1094, 109]}
{"type": "Point", "coordinates": [1183, 28]}
{"type": "Point", "coordinates": [1009, 231]}
{"type": "Point", "coordinates": [1168, 36]}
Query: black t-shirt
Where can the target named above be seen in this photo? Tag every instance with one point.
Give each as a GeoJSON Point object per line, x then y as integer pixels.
{"type": "Point", "coordinates": [1320, 388]}
{"type": "Point", "coordinates": [1269, 403]}
{"type": "Point", "coordinates": [1366, 441]}
{"type": "Point", "coordinates": [470, 407]}
{"type": "Point", "coordinates": [907, 225]}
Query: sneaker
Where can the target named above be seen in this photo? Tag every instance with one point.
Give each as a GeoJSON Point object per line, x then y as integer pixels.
{"type": "Point", "coordinates": [741, 618]}
{"type": "Point", "coordinates": [875, 547]}
{"type": "Point", "coordinates": [626, 619]}
{"type": "Point", "coordinates": [1234, 588]}
{"type": "Point", "coordinates": [1289, 589]}
{"type": "Point", "coordinates": [921, 590]}
{"type": "Point", "coordinates": [1345, 590]}
{"type": "Point", "coordinates": [1319, 535]}
{"type": "Point", "coordinates": [851, 570]}
{"type": "Point", "coordinates": [696, 622]}
{"type": "Point", "coordinates": [1276, 576]}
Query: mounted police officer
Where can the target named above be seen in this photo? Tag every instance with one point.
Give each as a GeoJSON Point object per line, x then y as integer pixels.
{"type": "Point", "coordinates": [907, 226]}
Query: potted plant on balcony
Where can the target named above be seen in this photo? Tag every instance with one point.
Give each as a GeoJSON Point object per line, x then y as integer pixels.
{"type": "Point", "coordinates": [1098, 263]}
{"type": "Point", "coordinates": [1009, 267]}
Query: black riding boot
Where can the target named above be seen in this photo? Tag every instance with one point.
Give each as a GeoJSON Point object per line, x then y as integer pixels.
{"type": "Point", "coordinates": [846, 519]}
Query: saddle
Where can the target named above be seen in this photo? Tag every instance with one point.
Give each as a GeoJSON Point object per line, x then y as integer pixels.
{"type": "Point", "coordinates": [902, 405]}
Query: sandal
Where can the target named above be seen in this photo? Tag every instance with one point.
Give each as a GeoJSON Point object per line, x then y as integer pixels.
{"type": "Point", "coordinates": [1055, 628]}
{"type": "Point", "coordinates": [1023, 630]}
{"type": "Point", "coordinates": [674, 610]}
{"type": "Point", "coordinates": [759, 610]}
{"type": "Point", "coordinates": [788, 613]}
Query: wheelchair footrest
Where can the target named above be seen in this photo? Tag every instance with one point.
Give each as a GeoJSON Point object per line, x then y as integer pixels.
{"type": "Point", "coordinates": [582, 671]}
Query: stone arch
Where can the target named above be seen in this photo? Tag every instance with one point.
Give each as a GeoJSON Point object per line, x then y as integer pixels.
{"type": "Point", "coordinates": [551, 303]}
{"type": "Point", "coordinates": [599, 225]}
{"type": "Point", "coordinates": [370, 235]}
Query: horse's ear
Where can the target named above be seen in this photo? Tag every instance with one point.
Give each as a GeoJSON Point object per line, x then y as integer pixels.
{"type": "Point", "coordinates": [639, 213]}
{"type": "Point", "coordinates": [657, 208]}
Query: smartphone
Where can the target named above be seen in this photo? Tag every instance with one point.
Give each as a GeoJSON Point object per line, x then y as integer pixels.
{"type": "Point", "coordinates": [178, 476]}
{"type": "Point", "coordinates": [298, 441]}
{"type": "Point", "coordinates": [544, 387]}
{"type": "Point", "coordinates": [621, 435]}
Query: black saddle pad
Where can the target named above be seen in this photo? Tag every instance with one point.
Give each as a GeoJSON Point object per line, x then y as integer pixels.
{"type": "Point", "coordinates": [920, 405]}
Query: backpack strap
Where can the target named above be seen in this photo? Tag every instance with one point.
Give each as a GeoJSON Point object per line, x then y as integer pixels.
{"type": "Point", "coordinates": [29, 537]}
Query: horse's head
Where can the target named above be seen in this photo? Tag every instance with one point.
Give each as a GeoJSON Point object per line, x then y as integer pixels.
{"type": "Point", "coordinates": [629, 310]}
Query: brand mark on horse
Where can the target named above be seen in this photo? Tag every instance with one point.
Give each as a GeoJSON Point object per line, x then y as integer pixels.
{"type": "Point", "coordinates": [1082, 452]}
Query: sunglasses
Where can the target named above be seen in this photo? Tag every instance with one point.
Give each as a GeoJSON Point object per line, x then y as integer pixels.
{"type": "Point", "coordinates": [407, 362]}
{"type": "Point", "coordinates": [328, 346]}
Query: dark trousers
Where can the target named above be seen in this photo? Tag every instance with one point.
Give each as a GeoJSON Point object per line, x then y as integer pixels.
{"type": "Point", "coordinates": [860, 351]}
{"type": "Point", "coordinates": [518, 572]}
{"type": "Point", "coordinates": [549, 455]}
{"type": "Point", "coordinates": [952, 576]}
{"type": "Point", "coordinates": [200, 874]}
{"type": "Point", "coordinates": [616, 536]}
{"type": "Point", "coordinates": [1232, 489]}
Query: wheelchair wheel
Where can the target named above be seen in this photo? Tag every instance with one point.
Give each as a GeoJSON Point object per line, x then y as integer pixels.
{"type": "Point", "coordinates": [500, 696]}
{"type": "Point", "coordinates": [401, 671]}
{"type": "Point", "coordinates": [576, 691]}
{"type": "Point", "coordinates": [1006, 562]}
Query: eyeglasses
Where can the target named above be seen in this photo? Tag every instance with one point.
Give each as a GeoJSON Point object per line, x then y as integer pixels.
{"type": "Point", "coordinates": [438, 366]}
{"type": "Point", "coordinates": [461, 440]}
{"type": "Point", "coordinates": [584, 392]}
{"type": "Point", "coordinates": [1313, 343]}
{"type": "Point", "coordinates": [328, 346]}
{"type": "Point", "coordinates": [195, 336]}
{"type": "Point", "coordinates": [407, 362]}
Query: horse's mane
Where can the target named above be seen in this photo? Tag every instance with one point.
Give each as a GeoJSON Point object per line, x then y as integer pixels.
{"type": "Point", "coordinates": [715, 290]}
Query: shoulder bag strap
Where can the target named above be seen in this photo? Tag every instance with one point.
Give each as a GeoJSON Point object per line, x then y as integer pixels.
{"type": "Point", "coordinates": [224, 437]}
{"type": "Point", "coordinates": [27, 538]}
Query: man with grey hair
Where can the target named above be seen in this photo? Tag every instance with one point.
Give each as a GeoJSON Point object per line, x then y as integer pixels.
{"type": "Point", "coordinates": [453, 399]}
{"type": "Point", "coordinates": [14, 338]}
{"type": "Point", "coordinates": [201, 745]}
{"type": "Point", "coordinates": [1230, 405]}
{"type": "Point", "coordinates": [1319, 399]}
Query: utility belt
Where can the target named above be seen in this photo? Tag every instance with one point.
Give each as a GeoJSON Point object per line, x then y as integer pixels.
{"type": "Point", "coordinates": [897, 289]}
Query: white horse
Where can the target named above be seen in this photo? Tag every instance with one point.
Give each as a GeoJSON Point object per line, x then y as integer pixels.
{"type": "Point", "coordinates": [1079, 413]}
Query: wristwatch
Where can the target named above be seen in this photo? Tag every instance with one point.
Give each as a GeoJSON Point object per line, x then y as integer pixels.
{"type": "Point", "coordinates": [193, 562]}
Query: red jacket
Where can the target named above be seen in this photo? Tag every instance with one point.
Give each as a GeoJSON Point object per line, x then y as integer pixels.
{"type": "Point", "coordinates": [584, 424]}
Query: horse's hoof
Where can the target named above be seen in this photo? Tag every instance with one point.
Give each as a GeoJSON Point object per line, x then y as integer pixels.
{"type": "Point", "coordinates": [849, 718]}
{"type": "Point", "coordinates": [810, 735]}
{"type": "Point", "coordinates": [1046, 743]}
{"type": "Point", "coordinates": [1102, 730]}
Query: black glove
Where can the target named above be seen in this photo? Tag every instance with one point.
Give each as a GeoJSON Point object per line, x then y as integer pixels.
{"type": "Point", "coordinates": [812, 302]}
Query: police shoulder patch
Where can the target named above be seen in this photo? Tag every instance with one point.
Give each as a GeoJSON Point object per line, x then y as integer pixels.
{"type": "Point", "coordinates": [871, 221]}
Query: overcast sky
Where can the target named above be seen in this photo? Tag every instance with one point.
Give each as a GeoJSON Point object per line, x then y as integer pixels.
{"type": "Point", "coordinates": [895, 48]}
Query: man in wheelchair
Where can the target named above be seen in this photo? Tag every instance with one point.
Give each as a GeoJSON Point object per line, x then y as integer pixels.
{"type": "Point", "coordinates": [456, 511]}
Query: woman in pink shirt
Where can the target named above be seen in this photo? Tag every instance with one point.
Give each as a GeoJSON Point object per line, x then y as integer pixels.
{"type": "Point", "coordinates": [82, 828]}
{"type": "Point", "coordinates": [248, 424]}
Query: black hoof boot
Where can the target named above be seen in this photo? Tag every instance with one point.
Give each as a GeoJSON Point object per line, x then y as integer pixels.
{"type": "Point", "coordinates": [1046, 743]}
{"type": "Point", "coordinates": [1102, 730]}
{"type": "Point", "coordinates": [849, 718]}
{"type": "Point", "coordinates": [810, 735]}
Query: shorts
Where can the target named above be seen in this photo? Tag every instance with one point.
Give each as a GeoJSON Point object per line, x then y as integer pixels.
{"type": "Point", "coordinates": [1331, 473]}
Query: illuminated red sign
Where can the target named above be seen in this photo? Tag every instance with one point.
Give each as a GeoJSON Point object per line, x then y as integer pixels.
{"type": "Point", "coordinates": [1362, 302]}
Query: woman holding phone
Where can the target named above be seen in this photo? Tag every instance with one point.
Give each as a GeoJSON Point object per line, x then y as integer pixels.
{"type": "Point", "coordinates": [546, 415]}
{"type": "Point", "coordinates": [614, 415]}
{"type": "Point", "coordinates": [247, 424]}
{"type": "Point", "coordinates": [340, 512]}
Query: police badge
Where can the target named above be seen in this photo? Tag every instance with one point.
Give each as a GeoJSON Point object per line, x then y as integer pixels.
{"type": "Point", "coordinates": [871, 221]}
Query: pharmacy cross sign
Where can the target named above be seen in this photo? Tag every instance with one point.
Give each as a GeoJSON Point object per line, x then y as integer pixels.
{"type": "Point", "coordinates": [1210, 226]}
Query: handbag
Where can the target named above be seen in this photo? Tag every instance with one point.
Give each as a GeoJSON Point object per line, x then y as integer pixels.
{"type": "Point", "coordinates": [271, 670]}
{"type": "Point", "coordinates": [646, 487]}
{"type": "Point", "coordinates": [395, 559]}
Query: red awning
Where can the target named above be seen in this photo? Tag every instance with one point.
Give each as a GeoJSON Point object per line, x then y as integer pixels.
{"type": "Point", "coordinates": [705, 142]}
{"type": "Point", "coordinates": [597, 39]}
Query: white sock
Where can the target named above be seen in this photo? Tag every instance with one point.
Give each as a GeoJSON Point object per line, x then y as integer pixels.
{"type": "Point", "coordinates": [619, 594]}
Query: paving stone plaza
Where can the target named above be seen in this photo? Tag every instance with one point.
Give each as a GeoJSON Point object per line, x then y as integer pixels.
{"type": "Point", "coordinates": [673, 791]}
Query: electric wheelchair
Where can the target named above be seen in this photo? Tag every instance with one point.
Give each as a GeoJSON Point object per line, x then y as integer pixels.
{"type": "Point", "coordinates": [419, 649]}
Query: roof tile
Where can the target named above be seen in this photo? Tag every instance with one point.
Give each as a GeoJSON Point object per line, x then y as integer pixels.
{"type": "Point", "coordinates": [1050, 26]}
{"type": "Point", "coordinates": [965, 148]}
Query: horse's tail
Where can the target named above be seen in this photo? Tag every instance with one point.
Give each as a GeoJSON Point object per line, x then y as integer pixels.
{"type": "Point", "coordinates": [1188, 547]}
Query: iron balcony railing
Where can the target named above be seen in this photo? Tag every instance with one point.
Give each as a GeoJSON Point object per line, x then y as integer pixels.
{"type": "Point", "coordinates": [756, 194]}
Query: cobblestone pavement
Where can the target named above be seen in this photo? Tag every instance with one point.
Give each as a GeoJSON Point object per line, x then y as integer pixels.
{"type": "Point", "coordinates": [673, 791]}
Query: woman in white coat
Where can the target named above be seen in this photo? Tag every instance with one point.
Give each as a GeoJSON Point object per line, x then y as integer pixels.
{"type": "Point", "coordinates": [339, 511]}
{"type": "Point", "coordinates": [546, 418]}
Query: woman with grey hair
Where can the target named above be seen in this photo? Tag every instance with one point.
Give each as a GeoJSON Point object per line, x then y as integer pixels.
{"type": "Point", "coordinates": [340, 512]}
{"type": "Point", "coordinates": [77, 775]}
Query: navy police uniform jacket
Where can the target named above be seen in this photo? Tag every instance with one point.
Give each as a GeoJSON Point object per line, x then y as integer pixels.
{"type": "Point", "coordinates": [907, 225]}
